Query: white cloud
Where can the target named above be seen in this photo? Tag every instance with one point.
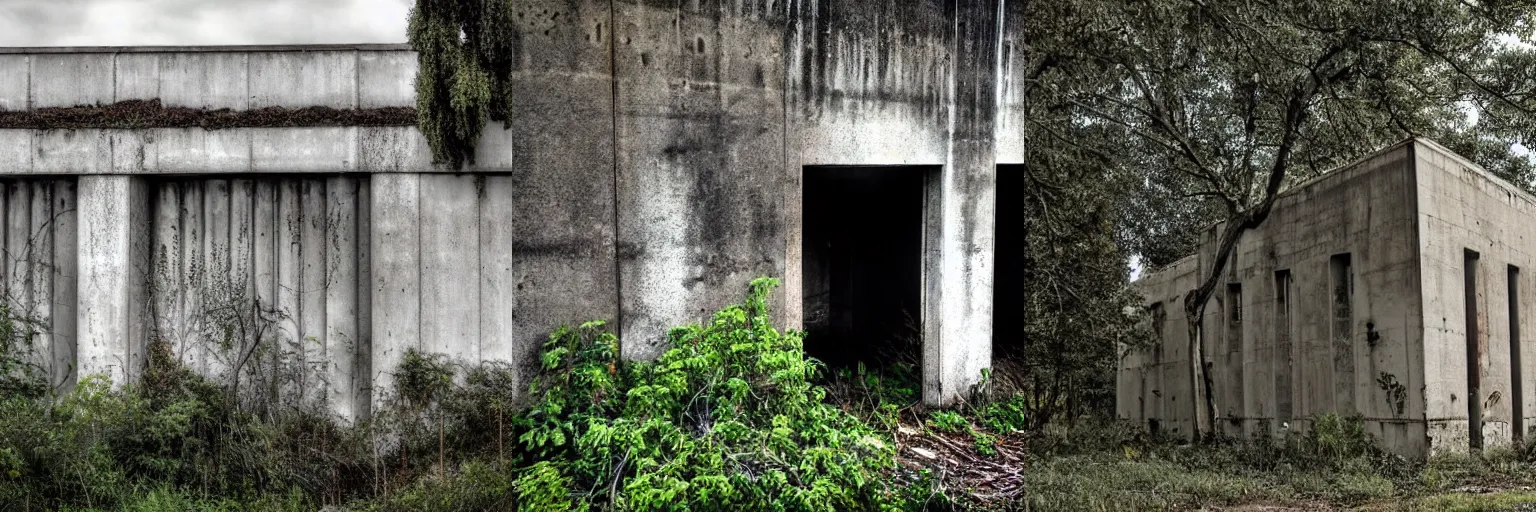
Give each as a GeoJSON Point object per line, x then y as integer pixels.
{"type": "Point", "coordinates": [200, 22]}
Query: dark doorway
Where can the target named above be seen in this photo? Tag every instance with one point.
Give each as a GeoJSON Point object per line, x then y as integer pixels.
{"type": "Point", "coordinates": [862, 263]}
{"type": "Point", "coordinates": [1516, 384]}
{"type": "Point", "coordinates": [1474, 352]}
{"type": "Point", "coordinates": [1008, 264]}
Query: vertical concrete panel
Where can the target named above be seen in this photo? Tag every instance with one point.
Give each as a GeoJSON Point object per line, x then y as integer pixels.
{"type": "Point", "coordinates": [66, 279]}
{"type": "Point", "coordinates": [1527, 351]}
{"type": "Point", "coordinates": [933, 286]}
{"type": "Point", "coordinates": [242, 254]}
{"type": "Point", "coordinates": [561, 222]}
{"type": "Point", "coordinates": [111, 215]}
{"type": "Point", "coordinates": [341, 304]}
{"type": "Point", "coordinates": [498, 300]}
{"type": "Point", "coordinates": [218, 281]}
{"type": "Point", "coordinates": [395, 224]}
{"type": "Point", "coordinates": [43, 266]}
{"type": "Point", "coordinates": [193, 268]}
{"type": "Point", "coordinates": [450, 265]}
{"type": "Point", "coordinates": [315, 279]}
{"type": "Point", "coordinates": [264, 257]}
{"type": "Point", "coordinates": [19, 255]}
{"type": "Point", "coordinates": [291, 364]}
{"type": "Point", "coordinates": [140, 326]}
{"type": "Point", "coordinates": [362, 373]}
{"type": "Point", "coordinates": [165, 277]}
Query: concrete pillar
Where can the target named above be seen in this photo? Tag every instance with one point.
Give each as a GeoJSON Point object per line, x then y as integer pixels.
{"type": "Point", "coordinates": [342, 337]}
{"type": "Point", "coordinates": [960, 213]}
{"type": "Point", "coordinates": [395, 240]}
{"type": "Point", "coordinates": [114, 250]}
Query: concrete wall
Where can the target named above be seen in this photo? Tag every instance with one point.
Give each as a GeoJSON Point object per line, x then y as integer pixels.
{"type": "Point", "coordinates": [1347, 353]}
{"type": "Point", "coordinates": [38, 269]}
{"type": "Point", "coordinates": [1152, 379]}
{"type": "Point", "coordinates": [1461, 208]}
{"type": "Point", "coordinates": [294, 250]}
{"type": "Point", "coordinates": [887, 82]}
{"type": "Point", "coordinates": [651, 166]}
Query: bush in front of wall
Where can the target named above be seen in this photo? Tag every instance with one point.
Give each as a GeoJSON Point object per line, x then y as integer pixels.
{"type": "Point", "coordinates": [726, 418]}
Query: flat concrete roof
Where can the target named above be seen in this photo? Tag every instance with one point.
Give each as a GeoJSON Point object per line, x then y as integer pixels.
{"type": "Point", "coordinates": [193, 49]}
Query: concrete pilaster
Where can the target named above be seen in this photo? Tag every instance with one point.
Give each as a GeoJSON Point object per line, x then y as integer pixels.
{"type": "Point", "coordinates": [113, 239]}
{"type": "Point", "coordinates": [958, 224]}
{"type": "Point", "coordinates": [396, 269]}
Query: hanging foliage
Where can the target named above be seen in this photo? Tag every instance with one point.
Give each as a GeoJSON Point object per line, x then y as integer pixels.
{"type": "Point", "coordinates": [464, 53]}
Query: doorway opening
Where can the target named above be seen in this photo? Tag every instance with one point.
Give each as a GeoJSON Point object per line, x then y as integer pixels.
{"type": "Point", "coordinates": [1516, 381]}
{"type": "Point", "coordinates": [1474, 352]}
{"type": "Point", "coordinates": [862, 261]}
{"type": "Point", "coordinates": [1008, 264]}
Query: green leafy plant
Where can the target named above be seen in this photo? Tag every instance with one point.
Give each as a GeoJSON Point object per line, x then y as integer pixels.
{"type": "Point", "coordinates": [1006, 416]}
{"type": "Point", "coordinates": [949, 421]}
{"type": "Point", "coordinates": [728, 417]}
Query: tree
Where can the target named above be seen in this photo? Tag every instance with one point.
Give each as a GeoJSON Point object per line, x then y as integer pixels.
{"type": "Point", "coordinates": [1220, 105]}
{"type": "Point", "coordinates": [464, 54]}
{"type": "Point", "coordinates": [1075, 299]}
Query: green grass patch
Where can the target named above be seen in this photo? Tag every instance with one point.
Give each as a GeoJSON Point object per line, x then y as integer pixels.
{"type": "Point", "coordinates": [1467, 502]}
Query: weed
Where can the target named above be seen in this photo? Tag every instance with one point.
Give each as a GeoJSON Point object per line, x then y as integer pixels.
{"type": "Point", "coordinates": [949, 421]}
{"type": "Point", "coordinates": [1006, 416]}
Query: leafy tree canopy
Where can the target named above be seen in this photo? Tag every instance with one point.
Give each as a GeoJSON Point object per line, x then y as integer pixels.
{"type": "Point", "coordinates": [1214, 106]}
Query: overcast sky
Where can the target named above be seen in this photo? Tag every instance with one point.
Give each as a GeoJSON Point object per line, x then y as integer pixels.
{"type": "Point", "coordinates": [200, 22]}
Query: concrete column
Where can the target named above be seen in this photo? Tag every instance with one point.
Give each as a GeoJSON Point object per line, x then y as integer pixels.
{"type": "Point", "coordinates": [114, 250]}
{"type": "Point", "coordinates": [960, 213]}
{"type": "Point", "coordinates": [395, 240]}
{"type": "Point", "coordinates": [342, 340]}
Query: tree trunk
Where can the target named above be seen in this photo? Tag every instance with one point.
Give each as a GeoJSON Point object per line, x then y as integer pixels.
{"type": "Point", "coordinates": [1198, 423]}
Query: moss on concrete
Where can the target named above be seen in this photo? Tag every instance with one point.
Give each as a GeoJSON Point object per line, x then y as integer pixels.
{"type": "Point", "coordinates": [133, 114]}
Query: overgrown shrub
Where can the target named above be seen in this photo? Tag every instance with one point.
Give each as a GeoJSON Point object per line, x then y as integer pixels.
{"type": "Point", "coordinates": [99, 447]}
{"type": "Point", "coordinates": [727, 418]}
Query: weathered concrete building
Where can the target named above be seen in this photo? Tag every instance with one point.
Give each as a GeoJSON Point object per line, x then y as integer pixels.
{"type": "Point", "coordinates": [1392, 288]}
{"type": "Point", "coordinates": [659, 156]}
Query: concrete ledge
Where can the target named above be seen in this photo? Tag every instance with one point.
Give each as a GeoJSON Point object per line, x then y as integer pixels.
{"type": "Point", "coordinates": [329, 149]}
{"type": "Point", "coordinates": [236, 77]}
{"type": "Point", "coordinates": [226, 49]}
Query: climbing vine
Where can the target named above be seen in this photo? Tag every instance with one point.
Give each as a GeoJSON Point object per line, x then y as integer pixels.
{"type": "Point", "coordinates": [464, 56]}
